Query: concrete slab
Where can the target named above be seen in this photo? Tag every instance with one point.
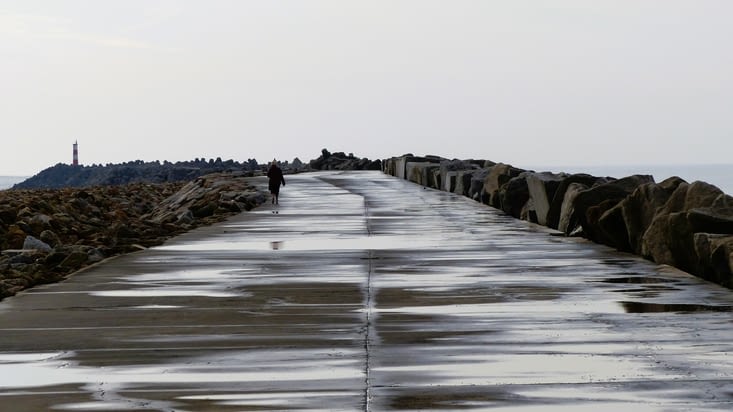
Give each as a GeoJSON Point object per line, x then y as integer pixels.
{"type": "Point", "coordinates": [362, 291]}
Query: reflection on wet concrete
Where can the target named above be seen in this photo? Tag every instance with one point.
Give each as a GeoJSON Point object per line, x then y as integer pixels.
{"type": "Point", "coordinates": [369, 293]}
{"type": "Point", "coordinates": [647, 307]}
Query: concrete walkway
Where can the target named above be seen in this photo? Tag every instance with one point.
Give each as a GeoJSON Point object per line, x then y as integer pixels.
{"type": "Point", "coordinates": [365, 292]}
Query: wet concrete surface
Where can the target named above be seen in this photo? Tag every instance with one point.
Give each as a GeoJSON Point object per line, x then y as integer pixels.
{"type": "Point", "coordinates": [365, 292]}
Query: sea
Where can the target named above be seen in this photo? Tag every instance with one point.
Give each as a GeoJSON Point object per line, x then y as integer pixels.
{"type": "Point", "coordinates": [7, 182]}
{"type": "Point", "coordinates": [720, 175]}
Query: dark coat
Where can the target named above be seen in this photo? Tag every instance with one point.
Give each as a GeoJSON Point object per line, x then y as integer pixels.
{"type": "Point", "coordinates": [275, 174]}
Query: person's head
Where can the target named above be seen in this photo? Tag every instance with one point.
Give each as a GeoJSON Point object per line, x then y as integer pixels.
{"type": "Point", "coordinates": [274, 162]}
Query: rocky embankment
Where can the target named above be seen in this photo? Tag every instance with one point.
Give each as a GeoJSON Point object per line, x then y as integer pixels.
{"type": "Point", "coordinates": [342, 161]}
{"type": "Point", "coordinates": [674, 222]}
{"type": "Point", "coordinates": [46, 234]}
{"type": "Point", "coordinates": [63, 175]}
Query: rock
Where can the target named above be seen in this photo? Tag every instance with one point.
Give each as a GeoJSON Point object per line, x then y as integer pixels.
{"type": "Point", "coordinates": [499, 175]}
{"type": "Point", "coordinates": [623, 225]}
{"type": "Point", "coordinates": [568, 221]}
{"type": "Point", "coordinates": [463, 182]}
{"type": "Point", "coordinates": [449, 180]}
{"type": "Point", "coordinates": [477, 182]}
{"type": "Point", "coordinates": [637, 212]}
{"type": "Point", "coordinates": [514, 195]}
{"type": "Point", "coordinates": [8, 214]}
{"type": "Point", "coordinates": [14, 237]}
{"type": "Point", "coordinates": [79, 227]}
{"type": "Point", "coordinates": [612, 230]}
{"type": "Point", "coordinates": [51, 238]}
{"type": "Point", "coordinates": [25, 258]}
{"type": "Point", "coordinates": [33, 243]}
{"type": "Point", "coordinates": [592, 203]}
{"type": "Point", "coordinates": [75, 260]}
{"type": "Point", "coordinates": [670, 238]}
{"type": "Point", "coordinates": [542, 188]}
{"type": "Point", "coordinates": [205, 209]}
{"type": "Point", "coordinates": [341, 161]}
{"type": "Point", "coordinates": [711, 220]}
{"type": "Point", "coordinates": [557, 201]}
{"type": "Point", "coordinates": [449, 173]}
{"type": "Point", "coordinates": [95, 255]}
{"type": "Point", "coordinates": [715, 254]}
{"type": "Point", "coordinates": [420, 172]}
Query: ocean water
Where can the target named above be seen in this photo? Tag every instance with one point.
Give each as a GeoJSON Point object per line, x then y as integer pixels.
{"type": "Point", "coordinates": [720, 175]}
{"type": "Point", "coordinates": [8, 181]}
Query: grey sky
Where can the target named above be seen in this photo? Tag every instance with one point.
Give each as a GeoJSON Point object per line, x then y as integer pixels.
{"type": "Point", "coordinates": [525, 82]}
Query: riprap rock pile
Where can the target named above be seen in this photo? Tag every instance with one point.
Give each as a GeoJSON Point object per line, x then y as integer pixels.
{"type": "Point", "coordinates": [685, 225]}
{"type": "Point", "coordinates": [45, 234]}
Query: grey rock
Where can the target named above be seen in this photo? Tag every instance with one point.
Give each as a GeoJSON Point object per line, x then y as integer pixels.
{"type": "Point", "coordinates": [568, 222]}
{"type": "Point", "coordinates": [37, 244]}
{"type": "Point", "coordinates": [557, 202]}
{"type": "Point", "coordinates": [670, 236]}
{"type": "Point", "coordinates": [592, 203]}
{"type": "Point", "coordinates": [542, 188]}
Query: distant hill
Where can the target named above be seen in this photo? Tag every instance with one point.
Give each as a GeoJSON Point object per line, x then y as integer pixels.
{"type": "Point", "coordinates": [64, 175]}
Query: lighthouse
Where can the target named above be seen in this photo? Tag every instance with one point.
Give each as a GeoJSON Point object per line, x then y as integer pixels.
{"type": "Point", "coordinates": [76, 154]}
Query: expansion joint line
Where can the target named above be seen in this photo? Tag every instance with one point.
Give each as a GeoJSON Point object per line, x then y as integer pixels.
{"type": "Point", "coordinates": [368, 318]}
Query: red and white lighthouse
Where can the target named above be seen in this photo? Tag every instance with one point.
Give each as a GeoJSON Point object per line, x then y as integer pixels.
{"type": "Point", "coordinates": [76, 154]}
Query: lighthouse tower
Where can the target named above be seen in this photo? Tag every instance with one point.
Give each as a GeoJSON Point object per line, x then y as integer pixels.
{"type": "Point", "coordinates": [76, 154]}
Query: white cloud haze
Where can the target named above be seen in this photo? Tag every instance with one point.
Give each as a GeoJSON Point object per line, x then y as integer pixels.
{"type": "Point", "coordinates": [526, 82]}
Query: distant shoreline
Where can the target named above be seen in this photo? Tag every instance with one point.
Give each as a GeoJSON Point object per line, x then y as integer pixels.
{"type": "Point", "coordinates": [6, 182]}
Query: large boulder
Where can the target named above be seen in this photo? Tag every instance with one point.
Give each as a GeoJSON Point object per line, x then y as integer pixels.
{"type": "Point", "coordinates": [715, 257]}
{"type": "Point", "coordinates": [477, 182]}
{"type": "Point", "coordinates": [463, 182]}
{"type": "Point", "coordinates": [568, 221]}
{"type": "Point", "coordinates": [557, 202]}
{"type": "Point", "coordinates": [498, 175]}
{"type": "Point", "coordinates": [32, 243]}
{"type": "Point", "coordinates": [514, 196]}
{"type": "Point", "coordinates": [14, 237]}
{"type": "Point", "coordinates": [449, 172]}
{"type": "Point", "coordinates": [398, 165]}
{"type": "Point", "coordinates": [420, 172]}
{"type": "Point", "coordinates": [542, 188]}
{"type": "Point", "coordinates": [592, 203]}
{"type": "Point", "coordinates": [624, 225]}
{"type": "Point", "coordinates": [698, 207]}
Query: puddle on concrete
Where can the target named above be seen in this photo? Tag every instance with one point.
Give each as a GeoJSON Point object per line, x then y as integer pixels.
{"type": "Point", "coordinates": [523, 369]}
{"type": "Point", "coordinates": [148, 307]}
{"type": "Point", "coordinates": [644, 307]}
{"type": "Point", "coordinates": [269, 399]}
{"type": "Point", "coordinates": [648, 292]}
{"type": "Point", "coordinates": [639, 280]}
{"type": "Point", "coordinates": [98, 406]}
{"type": "Point", "coordinates": [27, 357]}
{"type": "Point", "coordinates": [311, 243]}
{"type": "Point", "coordinates": [164, 292]}
{"type": "Point", "coordinates": [180, 276]}
{"type": "Point", "coordinates": [48, 369]}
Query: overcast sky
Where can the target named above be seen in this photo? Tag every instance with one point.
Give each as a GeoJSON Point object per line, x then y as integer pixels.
{"type": "Point", "coordinates": [535, 82]}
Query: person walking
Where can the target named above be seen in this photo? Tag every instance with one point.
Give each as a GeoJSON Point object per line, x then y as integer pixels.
{"type": "Point", "coordinates": [276, 178]}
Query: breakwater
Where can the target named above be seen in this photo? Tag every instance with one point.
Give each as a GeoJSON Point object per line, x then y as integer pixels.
{"type": "Point", "coordinates": [688, 225]}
